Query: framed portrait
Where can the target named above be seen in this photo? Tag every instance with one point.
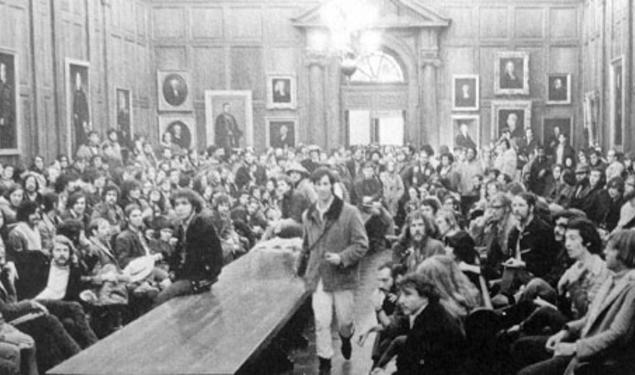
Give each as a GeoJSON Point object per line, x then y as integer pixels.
{"type": "Point", "coordinates": [511, 73]}
{"type": "Point", "coordinates": [616, 87]}
{"type": "Point", "coordinates": [281, 91]}
{"type": "Point", "coordinates": [229, 118]}
{"type": "Point", "coordinates": [174, 91]}
{"type": "Point", "coordinates": [591, 116]}
{"type": "Point", "coordinates": [559, 88]}
{"type": "Point", "coordinates": [78, 103]}
{"type": "Point", "coordinates": [9, 103]}
{"type": "Point", "coordinates": [281, 131]}
{"type": "Point", "coordinates": [179, 130]}
{"type": "Point", "coordinates": [465, 92]}
{"type": "Point", "coordinates": [513, 115]}
{"type": "Point", "coordinates": [466, 131]}
{"type": "Point", "coordinates": [552, 127]}
{"type": "Point", "coordinates": [124, 116]}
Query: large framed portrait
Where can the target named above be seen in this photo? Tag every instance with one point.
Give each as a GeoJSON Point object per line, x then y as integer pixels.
{"type": "Point", "coordinates": [466, 131]}
{"type": "Point", "coordinates": [179, 130]}
{"type": "Point", "coordinates": [281, 131]}
{"type": "Point", "coordinates": [591, 116]}
{"type": "Point", "coordinates": [513, 115]}
{"type": "Point", "coordinates": [281, 91]}
{"type": "Point", "coordinates": [229, 118]}
{"type": "Point", "coordinates": [174, 91]}
{"type": "Point", "coordinates": [559, 88]}
{"type": "Point", "coordinates": [465, 92]}
{"type": "Point", "coordinates": [9, 103]}
{"type": "Point", "coordinates": [124, 117]}
{"type": "Point", "coordinates": [553, 127]}
{"type": "Point", "coordinates": [78, 103]}
{"type": "Point", "coordinates": [511, 73]}
{"type": "Point", "coordinates": [616, 85]}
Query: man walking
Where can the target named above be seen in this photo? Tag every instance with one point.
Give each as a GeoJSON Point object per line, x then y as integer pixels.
{"type": "Point", "coordinates": [334, 242]}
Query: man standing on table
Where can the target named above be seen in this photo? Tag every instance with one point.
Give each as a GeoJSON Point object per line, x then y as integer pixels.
{"type": "Point", "coordinates": [334, 242]}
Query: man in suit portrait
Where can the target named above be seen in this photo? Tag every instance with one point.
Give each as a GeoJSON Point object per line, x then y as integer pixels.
{"type": "Point", "coordinates": [174, 90]}
{"type": "Point", "coordinates": [281, 91]}
{"type": "Point", "coordinates": [513, 120]}
{"type": "Point", "coordinates": [465, 95]}
{"type": "Point", "coordinates": [558, 90]}
{"type": "Point", "coordinates": [226, 130]}
{"type": "Point", "coordinates": [81, 118]}
{"type": "Point", "coordinates": [180, 135]}
{"type": "Point", "coordinates": [7, 110]}
{"type": "Point", "coordinates": [283, 138]}
{"type": "Point", "coordinates": [463, 139]}
{"type": "Point", "coordinates": [511, 78]}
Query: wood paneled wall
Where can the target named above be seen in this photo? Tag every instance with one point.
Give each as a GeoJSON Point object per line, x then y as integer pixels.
{"type": "Point", "coordinates": [111, 35]}
{"type": "Point", "coordinates": [549, 31]}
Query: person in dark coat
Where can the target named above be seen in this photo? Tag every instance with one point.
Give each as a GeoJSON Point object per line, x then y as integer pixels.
{"type": "Point", "coordinates": [198, 257]}
{"type": "Point", "coordinates": [434, 343]}
{"type": "Point", "coordinates": [226, 130]}
{"type": "Point", "coordinates": [598, 201]}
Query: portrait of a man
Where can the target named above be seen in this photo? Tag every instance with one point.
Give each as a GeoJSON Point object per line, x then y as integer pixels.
{"type": "Point", "coordinates": [227, 130]}
{"type": "Point", "coordinates": [559, 91]}
{"type": "Point", "coordinates": [281, 133]}
{"type": "Point", "coordinates": [80, 113]}
{"type": "Point", "coordinates": [180, 134]}
{"type": "Point", "coordinates": [281, 90]}
{"type": "Point", "coordinates": [174, 89]}
{"type": "Point", "coordinates": [512, 119]}
{"type": "Point", "coordinates": [512, 73]}
{"type": "Point", "coordinates": [124, 117]}
{"type": "Point", "coordinates": [8, 110]}
{"type": "Point", "coordinates": [465, 92]}
{"type": "Point", "coordinates": [466, 131]}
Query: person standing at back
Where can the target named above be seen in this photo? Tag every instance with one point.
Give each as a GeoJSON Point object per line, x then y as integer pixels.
{"type": "Point", "coordinates": [334, 242]}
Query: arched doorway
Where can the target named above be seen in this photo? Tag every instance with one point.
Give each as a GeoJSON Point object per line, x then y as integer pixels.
{"type": "Point", "coordinates": [375, 100]}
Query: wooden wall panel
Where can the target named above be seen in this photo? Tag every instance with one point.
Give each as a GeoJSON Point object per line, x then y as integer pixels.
{"type": "Point", "coordinates": [171, 57]}
{"type": "Point", "coordinates": [208, 70]}
{"type": "Point", "coordinates": [494, 23]}
{"type": "Point", "coordinates": [207, 22]}
{"type": "Point", "coordinates": [529, 23]}
{"type": "Point", "coordinates": [169, 22]}
{"type": "Point", "coordinates": [247, 70]}
{"type": "Point", "coordinates": [245, 24]}
{"type": "Point", "coordinates": [564, 23]}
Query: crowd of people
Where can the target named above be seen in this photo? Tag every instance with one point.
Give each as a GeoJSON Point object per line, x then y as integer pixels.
{"type": "Point", "coordinates": [538, 235]}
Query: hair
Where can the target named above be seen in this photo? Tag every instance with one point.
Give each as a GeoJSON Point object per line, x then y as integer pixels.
{"type": "Point", "coordinates": [589, 233]}
{"type": "Point", "coordinates": [624, 242]}
{"type": "Point", "coordinates": [49, 201]}
{"type": "Point", "coordinates": [616, 183]}
{"type": "Point", "coordinates": [317, 175]}
{"type": "Point", "coordinates": [427, 222]}
{"type": "Point", "coordinates": [26, 209]}
{"type": "Point", "coordinates": [569, 214]}
{"type": "Point", "coordinates": [31, 175]}
{"type": "Point", "coordinates": [74, 197]}
{"type": "Point", "coordinates": [221, 198]}
{"type": "Point", "coordinates": [432, 202]}
{"type": "Point", "coordinates": [447, 155]}
{"type": "Point", "coordinates": [502, 199]}
{"type": "Point", "coordinates": [423, 286]}
{"type": "Point", "coordinates": [396, 269]}
{"type": "Point", "coordinates": [110, 187]}
{"type": "Point", "coordinates": [456, 291]}
{"type": "Point", "coordinates": [71, 228]}
{"type": "Point", "coordinates": [449, 217]}
{"type": "Point", "coordinates": [130, 208]}
{"type": "Point", "coordinates": [568, 176]}
{"type": "Point", "coordinates": [530, 198]}
{"type": "Point", "coordinates": [94, 224]}
{"type": "Point", "coordinates": [191, 196]}
{"type": "Point", "coordinates": [464, 247]}
{"type": "Point", "coordinates": [64, 241]}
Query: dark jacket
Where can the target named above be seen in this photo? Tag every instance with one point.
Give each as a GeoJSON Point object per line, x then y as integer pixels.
{"type": "Point", "coordinates": [434, 346]}
{"type": "Point", "coordinates": [128, 247]}
{"type": "Point", "coordinates": [198, 256]}
{"type": "Point", "coordinates": [536, 244]}
{"type": "Point", "coordinates": [346, 236]}
{"type": "Point", "coordinates": [597, 204]}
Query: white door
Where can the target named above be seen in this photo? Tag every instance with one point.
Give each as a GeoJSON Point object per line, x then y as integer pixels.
{"type": "Point", "coordinates": [359, 122]}
{"type": "Point", "coordinates": [390, 127]}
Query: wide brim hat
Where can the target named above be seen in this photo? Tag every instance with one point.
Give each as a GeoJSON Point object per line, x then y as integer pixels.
{"type": "Point", "coordinates": [139, 268]}
{"type": "Point", "coordinates": [294, 166]}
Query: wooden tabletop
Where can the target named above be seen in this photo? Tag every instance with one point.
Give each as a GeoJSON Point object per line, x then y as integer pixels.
{"type": "Point", "coordinates": [211, 333]}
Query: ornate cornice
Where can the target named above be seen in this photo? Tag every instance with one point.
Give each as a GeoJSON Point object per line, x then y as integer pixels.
{"type": "Point", "coordinates": [312, 57]}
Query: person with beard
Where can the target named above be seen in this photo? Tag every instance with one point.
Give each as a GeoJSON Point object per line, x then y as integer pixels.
{"type": "Point", "coordinates": [598, 200]}
{"type": "Point", "coordinates": [531, 245]}
{"type": "Point", "coordinates": [109, 209]}
{"type": "Point", "coordinates": [416, 244]}
{"type": "Point", "coordinates": [581, 189]}
{"type": "Point", "coordinates": [386, 308]}
{"type": "Point", "coordinates": [538, 172]}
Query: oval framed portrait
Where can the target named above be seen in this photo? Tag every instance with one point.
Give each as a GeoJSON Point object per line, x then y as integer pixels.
{"type": "Point", "coordinates": [175, 89]}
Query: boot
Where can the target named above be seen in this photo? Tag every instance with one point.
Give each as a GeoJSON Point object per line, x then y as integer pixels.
{"type": "Point", "coordinates": [325, 366]}
{"type": "Point", "coordinates": [346, 348]}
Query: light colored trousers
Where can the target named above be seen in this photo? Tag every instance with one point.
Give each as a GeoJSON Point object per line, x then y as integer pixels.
{"type": "Point", "coordinates": [324, 304]}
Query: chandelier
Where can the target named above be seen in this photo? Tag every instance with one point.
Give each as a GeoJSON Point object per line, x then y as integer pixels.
{"type": "Point", "coordinates": [349, 33]}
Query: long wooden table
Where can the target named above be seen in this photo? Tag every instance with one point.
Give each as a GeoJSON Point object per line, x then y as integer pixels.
{"type": "Point", "coordinates": [212, 333]}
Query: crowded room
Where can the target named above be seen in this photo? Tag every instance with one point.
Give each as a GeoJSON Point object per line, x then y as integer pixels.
{"type": "Point", "coordinates": [317, 187]}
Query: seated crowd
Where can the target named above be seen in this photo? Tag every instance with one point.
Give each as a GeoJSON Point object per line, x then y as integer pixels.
{"type": "Point", "coordinates": [532, 234]}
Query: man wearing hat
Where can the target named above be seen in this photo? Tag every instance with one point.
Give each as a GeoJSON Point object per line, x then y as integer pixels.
{"type": "Point", "coordinates": [300, 179]}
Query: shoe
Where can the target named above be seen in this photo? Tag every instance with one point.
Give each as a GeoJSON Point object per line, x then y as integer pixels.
{"type": "Point", "coordinates": [347, 348]}
{"type": "Point", "coordinates": [325, 366]}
